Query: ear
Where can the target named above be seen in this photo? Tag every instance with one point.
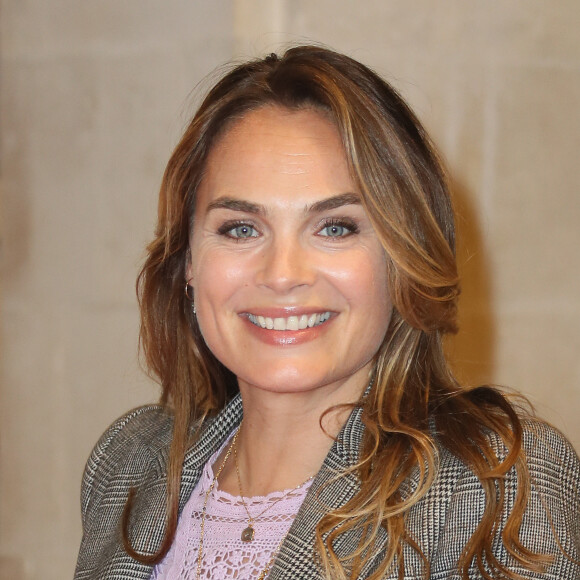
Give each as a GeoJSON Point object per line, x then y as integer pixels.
{"type": "Point", "coordinates": [188, 268]}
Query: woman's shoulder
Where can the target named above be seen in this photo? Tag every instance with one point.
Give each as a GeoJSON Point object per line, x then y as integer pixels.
{"type": "Point", "coordinates": [552, 469]}
{"type": "Point", "coordinates": [553, 466]}
{"type": "Point", "coordinates": [542, 444]}
{"type": "Point", "coordinates": [546, 450]}
{"type": "Point", "coordinates": [127, 447]}
{"type": "Point", "coordinates": [541, 440]}
{"type": "Point", "coordinates": [456, 501]}
{"type": "Point", "coordinates": [144, 428]}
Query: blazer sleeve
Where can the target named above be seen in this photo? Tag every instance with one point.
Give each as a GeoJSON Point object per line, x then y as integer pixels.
{"type": "Point", "coordinates": [550, 524]}
{"type": "Point", "coordinates": [114, 437]}
{"type": "Point", "coordinates": [552, 520]}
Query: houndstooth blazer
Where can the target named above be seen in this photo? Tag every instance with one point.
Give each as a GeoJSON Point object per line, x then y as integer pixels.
{"type": "Point", "coordinates": [134, 451]}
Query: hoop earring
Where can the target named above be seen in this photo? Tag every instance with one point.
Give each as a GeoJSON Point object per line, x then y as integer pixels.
{"type": "Point", "coordinates": [189, 294]}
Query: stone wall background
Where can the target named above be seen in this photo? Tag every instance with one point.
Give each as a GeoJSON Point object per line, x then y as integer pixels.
{"type": "Point", "coordinates": [94, 95]}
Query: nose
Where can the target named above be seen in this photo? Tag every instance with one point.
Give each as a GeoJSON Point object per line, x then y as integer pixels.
{"type": "Point", "coordinates": [285, 265]}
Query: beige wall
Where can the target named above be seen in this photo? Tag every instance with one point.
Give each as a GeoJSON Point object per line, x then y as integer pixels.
{"type": "Point", "coordinates": [94, 95]}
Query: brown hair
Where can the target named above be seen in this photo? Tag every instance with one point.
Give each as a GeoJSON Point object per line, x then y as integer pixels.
{"type": "Point", "coordinates": [414, 394]}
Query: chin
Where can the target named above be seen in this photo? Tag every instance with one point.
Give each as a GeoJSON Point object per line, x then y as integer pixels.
{"type": "Point", "coordinates": [285, 378]}
{"type": "Point", "coordinates": [305, 378]}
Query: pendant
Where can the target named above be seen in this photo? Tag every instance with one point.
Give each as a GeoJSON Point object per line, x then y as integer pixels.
{"type": "Point", "coordinates": [248, 534]}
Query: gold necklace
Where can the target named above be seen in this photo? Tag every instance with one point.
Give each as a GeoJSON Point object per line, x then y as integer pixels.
{"type": "Point", "coordinates": [204, 510]}
{"type": "Point", "coordinates": [248, 532]}
{"type": "Point", "coordinates": [266, 570]}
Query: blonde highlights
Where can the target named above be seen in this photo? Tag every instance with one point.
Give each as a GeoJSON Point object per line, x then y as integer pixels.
{"type": "Point", "coordinates": [414, 396]}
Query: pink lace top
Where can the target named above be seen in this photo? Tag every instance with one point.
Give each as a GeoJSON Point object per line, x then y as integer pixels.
{"type": "Point", "coordinates": [225, 555]}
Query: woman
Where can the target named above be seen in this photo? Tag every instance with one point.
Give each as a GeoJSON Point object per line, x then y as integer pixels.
{"type": "Point", "coordinates": [302, 277]}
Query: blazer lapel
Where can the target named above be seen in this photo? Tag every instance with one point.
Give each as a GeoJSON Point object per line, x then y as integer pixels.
{"type": "Point", "coordinates": [146, 528]}
{"type": "Point", "coordinates": [210, 439]}
{"type": "Point", "coordinates": [296, 556]}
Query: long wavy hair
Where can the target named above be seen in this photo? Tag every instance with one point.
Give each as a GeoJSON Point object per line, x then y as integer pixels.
{"type": "Point", "coordinates": [414, 394]}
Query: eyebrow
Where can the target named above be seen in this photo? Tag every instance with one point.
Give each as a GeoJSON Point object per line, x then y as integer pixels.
{"type": "Point", "coordinates": [335, 201]}
{"type": "Point", "coordinates": [329, 203]}
{"type": "Point", "coordinates": [236, 205]}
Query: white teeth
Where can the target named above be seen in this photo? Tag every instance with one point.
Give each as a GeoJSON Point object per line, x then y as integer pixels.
{"type": "Point", "coordinates": [290, 323]}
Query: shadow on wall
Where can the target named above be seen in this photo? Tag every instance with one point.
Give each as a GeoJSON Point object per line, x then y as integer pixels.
{"type": "Point", "coordinates": [472, 351]}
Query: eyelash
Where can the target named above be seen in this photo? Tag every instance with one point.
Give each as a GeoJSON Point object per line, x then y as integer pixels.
{"type": "Point", "coordinates": [226, 229]}
{"type": "Point", "coordinates": [345, 223]}
{"type": "Point", "coordinates": [348, 224]}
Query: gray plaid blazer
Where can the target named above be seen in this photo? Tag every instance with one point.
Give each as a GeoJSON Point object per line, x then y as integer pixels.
{"type": "Point", "coordinates": [134, 451]}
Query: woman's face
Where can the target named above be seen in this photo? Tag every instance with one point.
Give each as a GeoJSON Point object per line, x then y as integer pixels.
{"type": "Point", "coordinates": [288, 273]}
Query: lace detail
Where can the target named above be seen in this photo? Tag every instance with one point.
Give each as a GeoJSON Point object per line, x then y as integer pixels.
{"type": "Point", "coordinates": [225, 555]}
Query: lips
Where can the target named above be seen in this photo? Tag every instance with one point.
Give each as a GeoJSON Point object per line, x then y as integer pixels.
{"type": "Point", "coordinates": [290, 322]}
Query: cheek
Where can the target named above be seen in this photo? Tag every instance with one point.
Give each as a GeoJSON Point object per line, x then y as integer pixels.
{"type": "Point", "coordinates": [218, 283]}
{"type": "Point", "coordinates": [364, 278]}
{"type": "Point", "coordinates": [212, 269]}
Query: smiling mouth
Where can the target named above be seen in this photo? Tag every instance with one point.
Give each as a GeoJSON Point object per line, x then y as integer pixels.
{"type": "Point", "coordinates": [291, 322]}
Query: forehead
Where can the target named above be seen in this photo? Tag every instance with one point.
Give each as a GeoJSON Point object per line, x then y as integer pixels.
{"type": "Point", "coordinates": [269, 120]}
{"type": "Point", "coordinates": [275, 150]}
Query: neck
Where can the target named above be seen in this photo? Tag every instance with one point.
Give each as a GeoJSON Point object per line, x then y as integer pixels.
{"type": "Point", "coordinates": [286, 436]}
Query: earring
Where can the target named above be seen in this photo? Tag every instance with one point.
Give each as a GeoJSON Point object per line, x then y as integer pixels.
{"type": "Point", "coordinates": [190, 296]}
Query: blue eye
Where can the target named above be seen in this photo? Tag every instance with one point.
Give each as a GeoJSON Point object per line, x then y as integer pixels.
{"type": "Point", "coordinates": [241, 231]}
{"type": "Point", "coordinates": [338, 229]}
{"type": "Point", "coordinates": [334, 231]}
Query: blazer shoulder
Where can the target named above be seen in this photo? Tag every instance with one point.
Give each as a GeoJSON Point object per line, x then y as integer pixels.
{"type": "Point", "coordinates": [544, 441]}
{"type": "Point", "coordinates": [128, 444]}
{"type": "Point", "coordinates": [543, 445]}
{"type": "Point", "coordinates": [552, 464]}
{"type": "Point", "coordinates": [554, 470]}
{"type": "Point", "coordinates": [550, 520]}
{"type": "Point", "coordinates": [548, 454]}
